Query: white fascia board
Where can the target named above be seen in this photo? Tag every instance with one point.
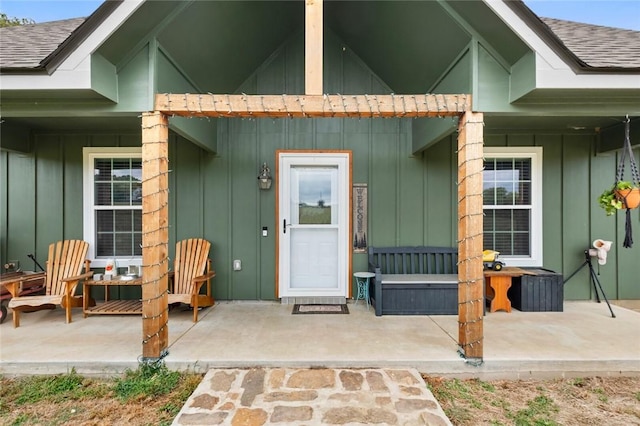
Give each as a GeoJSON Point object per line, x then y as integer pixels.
{"type": "Point", "coordinates": [75, 71]}
{"type": "Point", "coordinates": [61, 79]}
{"type": "Point", "coordinates": [552, 72]}
{"type": "Point", "coordinates": [528, 36]}
{"type": "Point", "coordinates": [100, 34]}
{"type": "Point", "coordinates": [548, 77]}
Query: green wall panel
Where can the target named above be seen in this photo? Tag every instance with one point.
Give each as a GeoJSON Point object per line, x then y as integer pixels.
{"type": "Point", "coordinates": [603, 169]}
{"type": "Point", "coordinates": [272, 134]}
{"type": "Point", "coordinates": [72, 205]}
{"type": "Point", "coordinates": [575, 213]}
{"type": "Point", "coordinates": [187, 193]}
{"type": "Point", "coordinates": [218, 214]}
{"type": "Point", "coordinates": [383, 191]}
{"type": "Point", "coordinates": [50, 194]}
{"type": "Point", "coordinates": [440, 194]}
{"type": "Point", "coordinates": [411, 215]}
{"type": "Point", "coordinates": [244, 224]}
{"type": "Point", "coordinates": [4, 161]}
{"type": "Point", "coordinates": [20, 208]}
{"type": "Point", "coordinates": [493, 84]}
{"type": "Point", "coordinates": [552, 203]}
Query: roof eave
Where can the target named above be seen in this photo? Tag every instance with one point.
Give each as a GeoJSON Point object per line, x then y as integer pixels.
{"type": "Point", "coordinates": [80, 34]}
{"type": "Point", "coordinates": [554, 42]}
{"type": "Point", "coordinates": [23, 70]}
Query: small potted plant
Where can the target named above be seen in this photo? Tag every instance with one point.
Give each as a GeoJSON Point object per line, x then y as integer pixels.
{"type": "Point", "coordinates": [622, 195]}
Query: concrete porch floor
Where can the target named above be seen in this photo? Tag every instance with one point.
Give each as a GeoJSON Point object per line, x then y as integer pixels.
{"type": "Point", "coordinates": [582, 340]}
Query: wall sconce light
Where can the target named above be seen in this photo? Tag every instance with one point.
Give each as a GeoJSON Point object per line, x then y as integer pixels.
{"type": "Point", "coordinates": [264, 178]}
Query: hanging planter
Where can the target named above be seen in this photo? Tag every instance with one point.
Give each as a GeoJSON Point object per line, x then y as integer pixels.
{"type": "Point", "coordinates": [624, 194]}
{"type": "Point", "coordinates": [629, 197]}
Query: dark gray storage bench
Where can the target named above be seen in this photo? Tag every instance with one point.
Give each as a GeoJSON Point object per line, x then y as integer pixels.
{"type": "Point", "coordinates": [541, 292]}
{"type": "Point", "coordinates": [414, 280]}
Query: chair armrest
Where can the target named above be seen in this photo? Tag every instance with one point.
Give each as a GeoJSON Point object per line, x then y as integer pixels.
{"type": "Point", "coordinates": [204, 277]}
{"type": "Point", "coordinates": [78, 277]}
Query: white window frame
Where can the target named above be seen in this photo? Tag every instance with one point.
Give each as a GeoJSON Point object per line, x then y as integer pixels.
{"type": "Point", "coordinates": [534, 153]}
{"type": "Point", "coordinates": [89, 154]}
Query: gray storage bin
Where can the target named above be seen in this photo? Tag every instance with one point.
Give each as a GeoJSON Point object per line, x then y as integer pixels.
{"type": "Point", "coordinates": [543, 292]}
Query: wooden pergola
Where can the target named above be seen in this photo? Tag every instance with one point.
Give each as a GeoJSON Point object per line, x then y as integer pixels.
{"type": "Point", "coordinates": [314, 104]}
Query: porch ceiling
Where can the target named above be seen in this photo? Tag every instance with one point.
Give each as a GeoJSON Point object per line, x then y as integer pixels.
{"type": "Point", "coordinates": [219, 44]}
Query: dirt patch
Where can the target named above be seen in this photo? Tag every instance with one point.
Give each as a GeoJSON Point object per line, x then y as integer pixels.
{"type": "Point", "coordinates": [611, 401]}
{"type": "Point", "coordinates": [594, 401]}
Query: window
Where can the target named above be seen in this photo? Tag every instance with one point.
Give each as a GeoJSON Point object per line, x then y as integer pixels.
{"type": "Point", "coordinates": [112, 199]}
{"type": "Point", "coordinates": [512, 191]}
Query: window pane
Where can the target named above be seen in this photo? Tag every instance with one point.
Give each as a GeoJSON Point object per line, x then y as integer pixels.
{"type": "Point", "coordinates": [502, 221]}
{"type": "Point", "coordinates": [523, 166]}
{"type": "Point", "coordinates": [137, 220]}
{"type": "Point", "coordinates": [124, 245]}
{"type": "Point", "coordinates": [489, 193]}
{"type": "Point", "coordinates": [522, 196]}
{"type": "Point", "coordinates": [502, 243]}
{"type": "Point", "coordinates": [136, 194]}
{"type": "Point", "coordinates": [521, 244]}
{"type": "Point", "coordinates": [122, 169]}
{"type": "Point", "coordinates": [487, 223]}
{"type": "Point", "coordinates": [102, 194]}
{"type": "Point", "coordinates": [504, 169]}
{"type": "Point", "coordinates": [521, 220]}
{"type": "Point", "coordinates": [121, 194]}
{"type": "Point", "coordinates": [104, 221]}
{"type": "Point", "coordinates": [123, 221]}
{"type": "Point", "coordinates": [102, 170]}
{"type": "Point", "coordinates": [504, 193]}
{"type": "Point", "coordinates": [137, 244]}
{"type": "Point", "coordinates": [104, 245]}
{"type": "Point", "coordinates": [136, 170]}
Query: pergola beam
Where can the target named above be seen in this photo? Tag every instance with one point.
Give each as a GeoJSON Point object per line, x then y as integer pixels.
{"type": "Point", "coordinates": [155, 188]}
{"type": "Point", "coordinates": [313, 50]}
{"type": "Point", "coordinates": [313, 106]}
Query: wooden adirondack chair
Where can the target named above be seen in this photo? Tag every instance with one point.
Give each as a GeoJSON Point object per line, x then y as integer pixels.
{"type": "Point", "coordinates": [192, 269]}
{"type": "Point", "coordinates": [64, 272]}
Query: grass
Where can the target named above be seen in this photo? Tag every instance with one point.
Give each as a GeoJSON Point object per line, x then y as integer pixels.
{"type": "Point", "coordinates": [581, 401]}
{"type": "Point", "coordinates": [149, 395]}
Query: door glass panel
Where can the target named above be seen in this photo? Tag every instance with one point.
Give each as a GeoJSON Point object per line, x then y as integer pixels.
{"type": "Point", "coordinates": [314, 196]}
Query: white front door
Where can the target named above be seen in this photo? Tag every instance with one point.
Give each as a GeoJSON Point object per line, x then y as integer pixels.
{"type": "Point", "coordinates": [313, 190]}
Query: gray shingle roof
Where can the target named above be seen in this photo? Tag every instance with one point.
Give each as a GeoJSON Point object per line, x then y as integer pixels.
{"type": "Point", "coordinates": [26, 46]}
{"type": "Point", "coordinates": [598, 46]}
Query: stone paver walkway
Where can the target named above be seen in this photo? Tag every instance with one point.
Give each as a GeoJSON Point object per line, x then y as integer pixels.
{"type": "Point", "coordinates": [283, 396]}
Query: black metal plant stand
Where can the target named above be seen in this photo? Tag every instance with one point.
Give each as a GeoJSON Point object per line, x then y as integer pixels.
{"type": "Point", "coordinates": [594, 280]}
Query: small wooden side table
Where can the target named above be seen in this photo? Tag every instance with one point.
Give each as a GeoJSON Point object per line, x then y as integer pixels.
{"type": "Point", "coordinates": [111, 307]}
{"type": "Point", "coordinates": [497, 283]}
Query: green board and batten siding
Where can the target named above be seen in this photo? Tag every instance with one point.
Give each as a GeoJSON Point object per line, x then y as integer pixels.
{"type": "Point", "coordinates": [412, 199]}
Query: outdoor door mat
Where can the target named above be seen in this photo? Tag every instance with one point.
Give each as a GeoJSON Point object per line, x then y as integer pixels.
{"type": "Point", "coordinates": [319, 309]}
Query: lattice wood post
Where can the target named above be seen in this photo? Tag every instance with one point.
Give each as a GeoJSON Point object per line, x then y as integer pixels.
{"type": "Point", "coordinates": [155, 235]}
{"type": "Point", "coordinates": [470, 275]}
